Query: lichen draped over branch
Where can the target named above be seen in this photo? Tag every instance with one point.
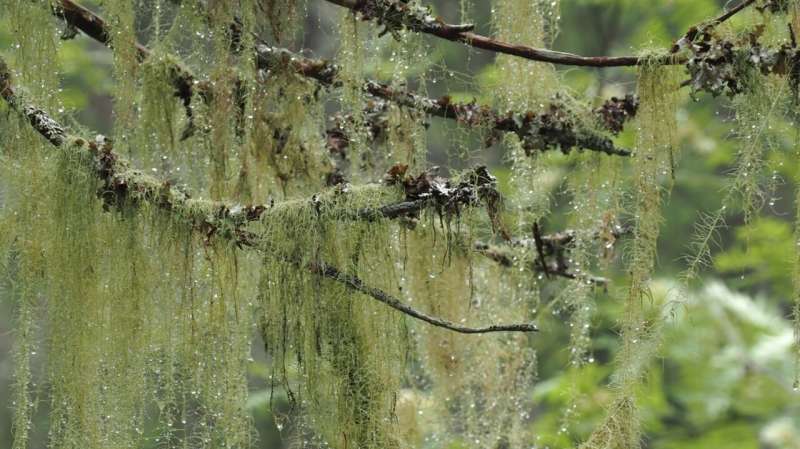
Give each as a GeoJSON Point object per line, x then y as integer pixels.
{"type": "Point", "coordinates": [324, 238]}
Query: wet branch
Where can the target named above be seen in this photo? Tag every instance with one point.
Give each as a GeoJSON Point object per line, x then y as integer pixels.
{"type": "Point", "coordinates": [551, 129]}
{"type": "Point", "coordinates": [396, 15]}
{"type": "Point", "coordinates": [357, 284]}
{"type": "Point", "coordinates": [122, 186]}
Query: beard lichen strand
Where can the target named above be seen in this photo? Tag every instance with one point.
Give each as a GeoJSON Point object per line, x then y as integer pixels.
{"type": "Point", "coordinates": [34, 54]}
{"type": "Point", "coordinates": [352, 57]}
{"type": "Point", "coordinates": [284, 21]}
{"type": "Point", "coordinates": [524, 86]}
{"type": "Point", "coordinates": [286, 152]}
{"type": "Point", "coordinates": [640, 321]}
{"type": "Point", "coordinates": [24, 185]}
{"type": "Point", "coordinates": [111, 284]}
{"type": "Point", "coordinates": [595, 205]}
{"type": "Point", "coordinates": [20, 284]}
{"type": "Point", "coordinates": [761, 100]}
{"type": "Point", "coordinates": [75, 359]}
{"type": "Point", "coordinates": [159, 110]}
{"type": "Point", "coordinates": [121, 16]}
{"type": "Point", "coordinates": [220, 140]}
{"type": "Point", "coordinates": [348, 351]}
{"type": "Point", "coordinates": [763, 97]}
{"type": "Point", "coordinates": [796, 285]}
{"type": "Point", "coordinates": [466, 376]}
{"type": "Point", "coordinates": [406, 139]}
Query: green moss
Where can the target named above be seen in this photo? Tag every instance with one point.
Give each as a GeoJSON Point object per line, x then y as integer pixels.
{"type": "Point", "coordinates": [159, 109]}
{"type": "Point", "coordinates": [465, 376]}
{"type": "Point", "coordinates": [286, 155]}
{"type": "Point", "coordinates": [525, 85]}
{"type": "Point", "coordinates": [284, 18]}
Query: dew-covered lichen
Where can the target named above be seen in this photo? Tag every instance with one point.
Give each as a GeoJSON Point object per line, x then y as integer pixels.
{"type": "Point", "coordinates": [347, 349]}
{"type": "Point", "coordinates": [655, 150]}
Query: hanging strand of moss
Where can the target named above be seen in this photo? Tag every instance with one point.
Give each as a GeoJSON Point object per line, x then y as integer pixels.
{"type": "Point", "coordinates": [352, 56]}
{"type": "Point", "coordinates": [286, 152]}
{"type": "Point", "coordinates": [122, 19]}
{"type": "Point", "coordinates": [796, 277]}
{"type": "Point", "coordinates": [348, 352]}
{"type": "Point", "coordinates": [762, 99]}
{"type": "Point", "coordinates": [464, 377]}
{"type": "Point", "coordinates": [34, 55]}
{"type": "Point", "coordinates": [284, 18]}
{"type": "Point", "coordinates": [596, 205]}
{"type": "Point", "coordinates": [406, 142]}
{"type": "Point", "coordinates": [20, 289]}
{"type": "Point", "coordinates": [525, 86]}
{"type": "Point", "coordinates": [656, 142]}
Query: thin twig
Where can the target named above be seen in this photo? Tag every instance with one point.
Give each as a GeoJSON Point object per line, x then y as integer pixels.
{"type": "Point", "coordinates": [358, 285]}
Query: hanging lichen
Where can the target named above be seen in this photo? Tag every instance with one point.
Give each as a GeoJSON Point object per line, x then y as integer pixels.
{"type": "Point", "coordinates": [159, 108]}
{"type": "Point", "coordinates": [122, 18]}
{"type": "Point", "coordinates": [639, 323]}
{"type": "Point", "coordinates": [525, 86]}
{"type": "Point", "coordinates": [762, 100]}
{"type": "Point", "coordinates": [406, 128]}
{"type": "Point", "coordinates": [461, 379]}
{"type": "Point", "coordinates": [285, 148]}
{"type": "Point", "coordinates": [284, 19]}
{"type": "Point", "coordinates": [22, 158]}
{"type": "Point", "coordinates": [352, 56]}
{"type": "Point", "coordinates": [348, 351]}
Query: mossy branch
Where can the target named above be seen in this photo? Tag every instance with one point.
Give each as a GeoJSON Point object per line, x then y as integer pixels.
{"type": "Point", "coordinates": [122, 186]}
{"type": "Point", "coordinates": [356, 284]}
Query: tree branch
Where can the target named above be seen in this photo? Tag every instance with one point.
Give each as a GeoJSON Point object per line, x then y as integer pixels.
{"type": "Point", "coordinates": [358, 285]}
{"type": "Point", "coordinates": [122, 186]}
{"type": "Point", "coordinates": [551, 129]}
{"type": "Point", "coordinates": [95, 27]}
{"type": "Point", "coordinates": [390, 14]}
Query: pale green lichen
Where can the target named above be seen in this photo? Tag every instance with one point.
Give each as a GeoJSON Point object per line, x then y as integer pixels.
{"type": "Point", "coordinates": [348, 349]}
{"type": "Point", "coordinates": [763, 100]}
{"type": "Point", "coordinates": [352, 57]}
{"type": "Point", "coordinates": [655, 150]}
{"type": "Point", "coordinates": [121, 15]}
{"type": "Point", "coordinates": [286, 155]}
{"type": "Point", "coordinates": [466, 375]}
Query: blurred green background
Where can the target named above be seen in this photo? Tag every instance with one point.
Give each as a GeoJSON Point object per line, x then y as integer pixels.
{"type": "Point", "coordinates": [725, 375]}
